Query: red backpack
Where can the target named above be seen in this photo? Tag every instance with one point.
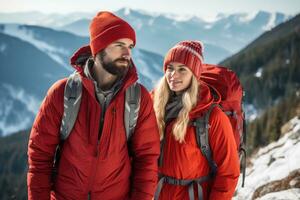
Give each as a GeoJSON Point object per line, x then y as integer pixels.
{"type": "Point", "coordinates": [226, 82]}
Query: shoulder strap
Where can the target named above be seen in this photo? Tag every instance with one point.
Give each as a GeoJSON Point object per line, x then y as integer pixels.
{"type": "Point", "coordinates": [161, 156]}
{"type": "Point", "coordinates": [72, 100]}
{"type": "Point", "coordinates": [243, 152]}
{"type": "Point", "coordinates": [202, 127]}
{"type": "Point", "coordinates": [132, 107]}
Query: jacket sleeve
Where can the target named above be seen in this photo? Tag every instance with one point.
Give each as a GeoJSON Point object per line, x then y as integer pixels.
{"type": "Point", "coordinates": [225, 155]}
{"type": "Point", "coordinates": [145, 148]}
{"type": "Point", "coordinates": [43, 140]}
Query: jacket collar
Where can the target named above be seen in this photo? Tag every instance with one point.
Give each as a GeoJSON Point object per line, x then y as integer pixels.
{"type": "Point", "coordinates": [78, 61]}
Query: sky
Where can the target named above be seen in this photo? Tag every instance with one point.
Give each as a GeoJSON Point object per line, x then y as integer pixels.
{"type": "Point", "coordinates": [201, 8]}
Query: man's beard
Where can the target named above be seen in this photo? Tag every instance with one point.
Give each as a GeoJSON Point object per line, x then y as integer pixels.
{"type": "Point", "coordinates": [112, 67]}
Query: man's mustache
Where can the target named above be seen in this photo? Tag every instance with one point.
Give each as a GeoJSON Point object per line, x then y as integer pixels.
{"type": "Point", "coordinates": [123, 60]}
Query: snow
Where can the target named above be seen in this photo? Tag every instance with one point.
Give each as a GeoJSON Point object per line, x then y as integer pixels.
{"type": "Point", "coordinates": [210, 18]}
{"type": "Point", "coordinates": [19, 94]}
{"type": "Point", "coordinates": [244, 18]}
{"type": "Point", "coordinates": [23, 123]}
{"type": "Point", "coordinates": [178, 17]}
{"type": "Point", "coordinates": [273, 162]}
{"type": "Point", "coordinates": [58, 59]}
{"type": "Point", "coordinates": [251, 112]}
{"type": "Point", "coordinates": [5, 108]}
{"type": "Point", "coordinates": [291, 194]}
{"type": "Point", "coordinates": [188, 17]}
{"type": "Point", "coordinates": [208, 26]}
{"type": "Point", "coordinates": [259, 73]}
{"type": "Point", "coordinates": [271, 23]}
{"type": "Point", "coordinates": [127, 11]}
{"type": "Point", "coordinates": [22, 118]}
{"type": "Point", "coordinates": [28, 36]}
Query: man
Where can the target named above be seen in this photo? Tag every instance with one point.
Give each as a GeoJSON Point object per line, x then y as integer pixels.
{"type": "Point", "coordinates": [95, 161]}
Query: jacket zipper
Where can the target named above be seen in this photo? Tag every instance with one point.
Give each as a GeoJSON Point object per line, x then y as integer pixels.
{"type": "Point", "coordinates": [100, 133]}
{"type": "Point", "coordinates": [91, 179]}
{"type": "Point", "coordinates": [97, 150]}
{"type": "Point", "coordinates": [102, 115]}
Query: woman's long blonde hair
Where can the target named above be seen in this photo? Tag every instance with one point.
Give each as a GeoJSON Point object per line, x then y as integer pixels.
{"type": "Point", "coordinates": [189, 101]}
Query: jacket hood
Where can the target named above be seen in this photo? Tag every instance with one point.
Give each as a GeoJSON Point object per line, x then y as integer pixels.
{"type": "Point", "coordinates": [80, 57]}
{"type": "Point", "coordinates": [207, 96]}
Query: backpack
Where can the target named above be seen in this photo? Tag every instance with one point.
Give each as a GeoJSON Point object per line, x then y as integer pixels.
{"type": "Point", "coordinates": [227, 84]}
{"type": "Point", "coordinates": [72, 100]}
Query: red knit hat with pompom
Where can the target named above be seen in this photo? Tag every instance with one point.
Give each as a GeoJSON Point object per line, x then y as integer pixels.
{"type": "Point", "coordinates": [189, 53]}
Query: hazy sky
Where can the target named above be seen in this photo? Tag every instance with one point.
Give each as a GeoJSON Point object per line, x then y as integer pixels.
{"type": "Point", "coordinates": [194, 7]}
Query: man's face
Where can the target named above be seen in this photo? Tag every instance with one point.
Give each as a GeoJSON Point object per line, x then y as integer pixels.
{"type": "Point", "coordinates": [115, 58]}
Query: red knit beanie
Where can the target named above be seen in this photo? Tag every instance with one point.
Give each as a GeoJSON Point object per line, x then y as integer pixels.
{"type": "Point", "coordinates": [106, 28]}
{"type": "Point", "coordinates": [189, 53]}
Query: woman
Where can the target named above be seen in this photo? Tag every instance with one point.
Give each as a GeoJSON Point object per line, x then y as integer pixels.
{"type": "Point", "coordinates": [179, 100]}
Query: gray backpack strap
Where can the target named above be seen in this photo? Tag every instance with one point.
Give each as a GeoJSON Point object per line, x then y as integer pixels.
{"type": "Point", "coordinates": [72, 100]}
{"type": "Point", "coordinates": [190, 183]}
{"type": "Point", "coordinates": [132, 107]}
{"type": "Point", "coordinates": [161, 156]}
{"type": "Point", "coordinates": [202, 128]}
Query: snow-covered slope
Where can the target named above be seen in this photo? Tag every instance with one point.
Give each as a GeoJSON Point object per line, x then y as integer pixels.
{"type": "Point", "coordinates": [17, 109]}
{"type": "Point", "coordinates": [274, 171]}
{"type": "Point", "coordinates": [28, 35]}
{"type": "Point", "coordinates": [56, 44]}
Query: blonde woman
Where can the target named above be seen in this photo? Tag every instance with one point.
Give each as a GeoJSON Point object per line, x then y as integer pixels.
{"type": "Point", "coordinates": [179, 99]}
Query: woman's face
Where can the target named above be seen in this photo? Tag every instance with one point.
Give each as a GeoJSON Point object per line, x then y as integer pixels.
{"type": "Point", "coordinates": [178, 77]}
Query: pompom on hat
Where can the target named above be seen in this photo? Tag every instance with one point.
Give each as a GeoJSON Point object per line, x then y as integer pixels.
{"type": "Point", "coordinates": [106, 28]}
{"type": "Point", "coordinates": [189, 53]}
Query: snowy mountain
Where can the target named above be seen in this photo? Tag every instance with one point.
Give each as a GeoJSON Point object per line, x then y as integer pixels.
{"type": "Point", "coordinates": [58, 45]}
{"type": "Point", "coordinates": [33, 58]}
{"type": "Point", "coordinates": [222, 37]}
{"type": "Point", "coordinates": [158, 32]}
{"type": "Point", "coordinates": [230, 32]}
{"type": "Point", "coordinates": [25, 73]}
{"type": "Point", "coordinates": [274, 171]}
{"type": "Point", "coordinates": [42, 19]}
